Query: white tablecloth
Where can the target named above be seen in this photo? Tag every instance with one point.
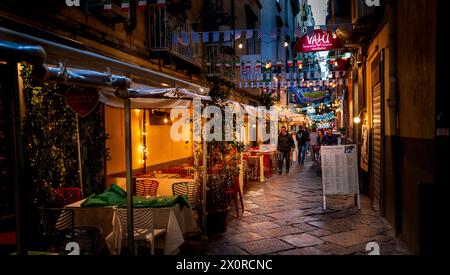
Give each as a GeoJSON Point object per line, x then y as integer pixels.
{"type": "Point", "coordinates": [177, 220]}
{"type": "Point", "coordinates": [164, 187]}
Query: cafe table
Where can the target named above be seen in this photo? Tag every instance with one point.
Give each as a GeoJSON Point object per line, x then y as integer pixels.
{"type": "Point", "coordinates": [177, 220]}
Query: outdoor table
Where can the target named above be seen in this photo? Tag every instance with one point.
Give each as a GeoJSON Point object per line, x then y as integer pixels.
{"type": "Point", "coordinates": [164, 187]}
{"type": "Point", "coordinates": [260, 157]}
{"type": "Point", "coordinates": [177, 220]}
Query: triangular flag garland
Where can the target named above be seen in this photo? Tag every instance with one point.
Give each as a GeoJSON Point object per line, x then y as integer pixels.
{"type": "Point", "coordinates": [107, 4]}
{"type": "Point", "coordinates": [125, 5]}
{"type": "Point", "coordinates": [161, 3]}
{"type": "Point", "coordinates": [142, 4]}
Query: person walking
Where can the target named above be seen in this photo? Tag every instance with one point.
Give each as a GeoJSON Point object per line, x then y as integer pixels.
{"type": "Point", "coordinates": [285, 146]}
{"type": "Point", "coordinates": [302, 140]}
{"type": "Point", "coordinates": [330, 139]}
{"type": "Point", "coordinates": [313, 142]}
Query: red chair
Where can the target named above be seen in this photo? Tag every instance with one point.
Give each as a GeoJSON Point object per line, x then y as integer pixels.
{"type": "Point", "coordinates": [67, 195]}
{"type": "Point", "coordinates": [267, 166]}
{"type": "Point", "coordinates": [233, 192]}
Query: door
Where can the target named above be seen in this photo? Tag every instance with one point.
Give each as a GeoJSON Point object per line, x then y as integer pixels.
{"type": "Point", "coordinates": [377, 135]}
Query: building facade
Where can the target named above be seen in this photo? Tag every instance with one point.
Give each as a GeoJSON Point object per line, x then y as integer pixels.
{"type": "Point", "coordinates": [394, 90]}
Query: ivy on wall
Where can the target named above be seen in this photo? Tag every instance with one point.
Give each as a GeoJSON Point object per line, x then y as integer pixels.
{"type": "Point", "coordinates": [50, 142]}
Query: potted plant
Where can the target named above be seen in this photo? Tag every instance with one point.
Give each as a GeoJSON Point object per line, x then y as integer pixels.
{"type": "Point", "coordinates": [221, 177]}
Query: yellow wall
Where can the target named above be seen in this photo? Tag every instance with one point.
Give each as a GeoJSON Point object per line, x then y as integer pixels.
{"type": "Point", "coordinates": [161, 148]}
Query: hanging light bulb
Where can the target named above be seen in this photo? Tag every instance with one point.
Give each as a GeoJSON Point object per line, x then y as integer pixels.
{"type": "Point", "coordinates": [286, 44]}
{"type": "Point", "coordinates": [240, 46]}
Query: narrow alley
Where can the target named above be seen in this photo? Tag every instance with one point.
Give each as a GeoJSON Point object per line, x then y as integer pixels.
{"type": "Point", "coordinates": [284, 216]}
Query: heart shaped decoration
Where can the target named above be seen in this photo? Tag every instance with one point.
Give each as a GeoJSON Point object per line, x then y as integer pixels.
{"type": "Point", "coordinates": [82, 102]}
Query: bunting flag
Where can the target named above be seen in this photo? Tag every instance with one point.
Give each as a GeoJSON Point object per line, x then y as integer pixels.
{"type": "Point", "coordinates": [237, 35]}
{"type": "Point", "coordinates": [260, 34]}
{"type": "Point", "coordinates": [279, 64]}
{"type": "Point", "coordinates": [258, 64]}
{"type": "Point", "coordinates": [195, 37]}
{"type": "Point", "coordinates": [291, 63]}
{"type": "Point", "coordinates": [124, 5]}
{"type": "Point", "coordinates": [142, 4]}
{"type": "Point", "coordinates": [216, 36]}
{"type": "Point", "coordinates": [184, 39]}
{"type": "Point", "coordinates": [228, 64]}
{"type": "Point", "coordinates": [237, 64]}
{"type": "Point", "coordinates": [248, 65]}
{"type": "Point", "coordinates": [249, 34]}
{"type": "Point", "coordinates": [226, 36]}
{"type": "Point", "coordinates": [205, 37]}
{"type": "Point", "coordinates": [107, 4]}
{"type": "Point", "coordinates": [161, 3]}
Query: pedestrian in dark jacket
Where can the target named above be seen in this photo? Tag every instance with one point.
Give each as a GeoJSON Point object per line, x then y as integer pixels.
{"type": "Point", "coordinates": [285, 146]}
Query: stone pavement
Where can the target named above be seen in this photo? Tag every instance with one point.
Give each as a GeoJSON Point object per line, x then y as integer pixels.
{"type": "Point", "coordinates": [284, 216]}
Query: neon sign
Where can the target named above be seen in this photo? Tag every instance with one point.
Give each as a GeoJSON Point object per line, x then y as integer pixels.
{"type": "Point", "coordinates": [319, 41]}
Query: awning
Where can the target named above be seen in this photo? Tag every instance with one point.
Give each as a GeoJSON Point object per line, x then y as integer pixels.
{"type": "Point", "coordinates": [56, 53]}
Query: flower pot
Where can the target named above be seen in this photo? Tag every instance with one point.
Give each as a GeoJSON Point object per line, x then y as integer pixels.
{"type": "Point", "coordinates": [216, 222]}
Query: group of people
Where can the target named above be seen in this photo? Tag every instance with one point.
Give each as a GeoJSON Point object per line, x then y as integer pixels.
{"type": "Point", "coordinates": [304, 142]}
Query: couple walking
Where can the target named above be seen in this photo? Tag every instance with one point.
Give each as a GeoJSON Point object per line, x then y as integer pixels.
{"type": "Point", "coordinates": [286, 145]}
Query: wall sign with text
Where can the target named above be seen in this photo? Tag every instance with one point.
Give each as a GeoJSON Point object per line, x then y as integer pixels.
{"type": "Point", "coordinates": [320, 40]}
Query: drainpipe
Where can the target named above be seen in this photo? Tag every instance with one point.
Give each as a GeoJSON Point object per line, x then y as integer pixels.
{"type": "Point", "coordinates": [132, 22]}
{"type": "Point", "coordinates": [392, 103]}
{"type": "Point", "coordinates": [32, 54]}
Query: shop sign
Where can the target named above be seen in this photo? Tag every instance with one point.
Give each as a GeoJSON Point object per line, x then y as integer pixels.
{"type": "Point", "coordinates": [318, 41]}
{"type": "Point", "coordinates": [82, 101]}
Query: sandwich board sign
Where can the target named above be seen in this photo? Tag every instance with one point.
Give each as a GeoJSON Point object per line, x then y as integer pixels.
{"type": "Point", "coordinates": [340, 172]}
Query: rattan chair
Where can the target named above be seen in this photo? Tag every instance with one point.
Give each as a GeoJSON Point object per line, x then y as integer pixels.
{"type": "Point", "coordinates": [189, 189]}
{"type": "Point", "coordinates": [146, 187]}
{"type": "Point", "coordinates": [143, 227]}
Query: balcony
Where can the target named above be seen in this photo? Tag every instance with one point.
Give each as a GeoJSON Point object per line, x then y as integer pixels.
{"type": "Point", "coordinates": [186, 55]}
{"type": "Point", "coordinates": [220, 60]}
{"type": "Point", "coordinates": [365, 21]}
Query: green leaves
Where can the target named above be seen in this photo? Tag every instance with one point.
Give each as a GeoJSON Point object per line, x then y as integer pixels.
{"type": "Point", "coordinates": [50, 138]}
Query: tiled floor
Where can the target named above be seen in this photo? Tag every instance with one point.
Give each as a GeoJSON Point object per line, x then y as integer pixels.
{"type": "Point", "coordinates": [284, 216]}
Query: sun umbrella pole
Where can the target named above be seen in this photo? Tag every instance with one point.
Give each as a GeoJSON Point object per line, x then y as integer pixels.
{"type": "Point", "coordinates": [129, 169]}
{"type": "Point", "coordinates": [80, 164]}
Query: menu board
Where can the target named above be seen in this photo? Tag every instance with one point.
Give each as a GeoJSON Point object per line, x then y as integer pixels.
{"type": "Point", "coordinates": [340, 170]}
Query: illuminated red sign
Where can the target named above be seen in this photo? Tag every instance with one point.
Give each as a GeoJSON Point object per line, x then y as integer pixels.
{"type": "Point", "coordinates": [319, 41]}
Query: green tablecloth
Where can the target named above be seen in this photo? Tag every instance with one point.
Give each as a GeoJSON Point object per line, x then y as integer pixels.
{"type": "Point", "coordinates": [115, 196]}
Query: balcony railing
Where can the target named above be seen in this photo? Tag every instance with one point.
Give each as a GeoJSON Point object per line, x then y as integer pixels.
{"type": "Point", "coordinates": [162, 28]}
{"type": "Point", "coordinates": [220, 60]}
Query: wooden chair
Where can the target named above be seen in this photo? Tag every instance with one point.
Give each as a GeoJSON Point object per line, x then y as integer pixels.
{"type": "Point", "coordinates": [143, 227]}
{"type": "Point", "coordinates": [189, 189]}
{"type": "Point", "coordinates": [146, 187]}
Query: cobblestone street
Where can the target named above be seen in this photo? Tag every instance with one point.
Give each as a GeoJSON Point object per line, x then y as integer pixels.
{"type": "Point", "coordinates": [284, 216]}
